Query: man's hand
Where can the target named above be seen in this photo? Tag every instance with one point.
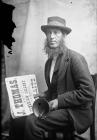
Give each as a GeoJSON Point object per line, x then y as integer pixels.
{"type": "Point", "coordinates": [53, 104]}
{"type": "Point", "coordinates": [39, 95]}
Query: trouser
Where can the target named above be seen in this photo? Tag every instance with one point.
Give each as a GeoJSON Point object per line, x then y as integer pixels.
{"type": "Point", "coordinates": [33, 128]}
{"type": "Point", "coordinates": [17, 127]}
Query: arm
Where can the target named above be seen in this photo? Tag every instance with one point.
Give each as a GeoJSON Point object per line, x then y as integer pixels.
{"type": "Point", "coordinates": [84, 92]}
{"type": "Point", "coordinates": [44, 94]}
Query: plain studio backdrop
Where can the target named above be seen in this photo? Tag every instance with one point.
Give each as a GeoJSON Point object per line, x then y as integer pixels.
{"type": "Point", "coordinates": [28, 55]}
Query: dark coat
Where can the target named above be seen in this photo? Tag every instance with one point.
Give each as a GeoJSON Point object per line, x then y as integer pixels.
{"type": "Point", "coordinates": [72, 84]}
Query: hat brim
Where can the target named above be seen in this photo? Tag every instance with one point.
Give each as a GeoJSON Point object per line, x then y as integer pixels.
{"type": "Point", "coordinates": [66, 30]}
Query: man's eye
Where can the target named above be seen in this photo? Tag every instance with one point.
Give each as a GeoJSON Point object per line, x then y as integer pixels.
{"type": "Point", "coordinates": [48, 33]}
{"type": "Point", "coordinates": [55, 32]}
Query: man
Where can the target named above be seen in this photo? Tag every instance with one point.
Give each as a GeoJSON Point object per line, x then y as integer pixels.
{"type": "Point", "coordinates": [70, 87]}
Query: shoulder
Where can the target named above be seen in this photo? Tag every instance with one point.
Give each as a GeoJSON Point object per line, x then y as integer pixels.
{"type": "Point", "coordinates": [77, 59]}
{"type": "Point", "coordinates": [75, 56]}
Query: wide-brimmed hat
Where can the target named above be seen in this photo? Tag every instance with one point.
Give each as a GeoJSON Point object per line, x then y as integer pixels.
{"type": "Point", "coordinates": [56, 22]}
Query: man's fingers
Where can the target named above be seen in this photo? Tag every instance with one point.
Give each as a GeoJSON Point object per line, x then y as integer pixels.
{"type": "Point", "coordinates": [50, 105]}
{"type": "Point", "coordinates": [53, 104]}
{"type": "Point", "coordinates": [36, 95]}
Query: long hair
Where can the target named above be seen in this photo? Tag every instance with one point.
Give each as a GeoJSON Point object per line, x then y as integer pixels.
{"type": "Point", "coordinates": [54, 51]}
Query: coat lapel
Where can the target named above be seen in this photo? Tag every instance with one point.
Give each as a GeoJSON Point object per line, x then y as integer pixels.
{"type": "Point", "coordinates": [60, 67]}
{"type": "Point", "coordinates": [56, 69]}
{"type": "Point", "coordinates": [63, 64]}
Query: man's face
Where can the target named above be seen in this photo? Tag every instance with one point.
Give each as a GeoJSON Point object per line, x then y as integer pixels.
{"type": "Point", "coordinates": [54, 37]}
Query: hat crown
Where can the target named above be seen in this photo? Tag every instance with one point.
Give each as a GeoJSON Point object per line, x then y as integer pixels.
{"type": "Point", "coordinates": [56, 20]}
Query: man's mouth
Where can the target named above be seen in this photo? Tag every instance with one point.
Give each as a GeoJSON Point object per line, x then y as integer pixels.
{"type": "Point", "coordinates": [52, 42]}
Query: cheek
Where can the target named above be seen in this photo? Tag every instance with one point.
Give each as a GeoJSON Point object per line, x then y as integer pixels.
{"type": "Point", "coordinates": [59, 39]}
{"type": "Point", "coordinates": [48, 38]}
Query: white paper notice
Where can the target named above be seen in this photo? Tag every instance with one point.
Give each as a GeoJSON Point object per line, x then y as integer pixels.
{"type": "Point", "coordinates": [20, 92]}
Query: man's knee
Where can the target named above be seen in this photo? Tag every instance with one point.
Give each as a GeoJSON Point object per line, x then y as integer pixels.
{"type": "Point", "coordinates": [31, 121]}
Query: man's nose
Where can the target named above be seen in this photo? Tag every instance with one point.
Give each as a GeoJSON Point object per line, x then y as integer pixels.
{"type": "Point", "coordinates": [52, 35]}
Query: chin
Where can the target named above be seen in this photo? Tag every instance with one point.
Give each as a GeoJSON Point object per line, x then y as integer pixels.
{"type": "Point", "coordinates": [53, 47]}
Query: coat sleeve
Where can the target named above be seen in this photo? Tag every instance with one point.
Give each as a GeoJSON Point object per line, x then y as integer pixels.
{"type": "Point", "coordinates": [85, 91]}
